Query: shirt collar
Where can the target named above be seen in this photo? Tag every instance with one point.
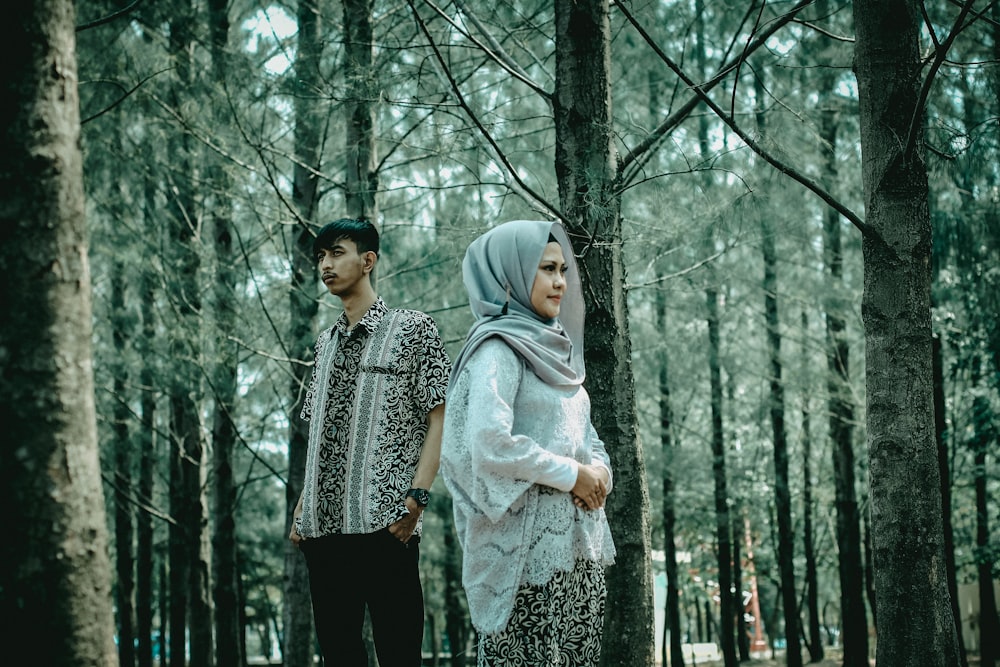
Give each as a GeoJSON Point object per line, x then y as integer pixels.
{"type": "Point", "coordinates": [369, 321]}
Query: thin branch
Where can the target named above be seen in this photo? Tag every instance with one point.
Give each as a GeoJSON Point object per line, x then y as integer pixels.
{"type": "Point", "coordinates": [108, 19]}
{"type": "Point", "coordinates": [825, 32]}
{"type": "Point", "coordinates": [132, 500]}
{"type": "Point", "coordinates": [789, 171]}
{"type": "Point", "coordinates": [125, 96]}
{"type": "Point", "coordinates": [500, 155]}
{"type": "Point", "coordinates": [685, 110]}
{"type": "Point", "coordinates": [940, 51]}
{"type": "Point", "coordinates": [678, 274]}
{"type": "Point", "coordinates": [743, 59]}
{"type": "Point", "coordinates": [494, 50]}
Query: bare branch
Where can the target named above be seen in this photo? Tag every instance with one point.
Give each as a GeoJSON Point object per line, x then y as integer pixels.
{"type": "Point", "coordinates": [125, 96]}
{"type": "Point", "coordinates": [494, 50]}
{"type": "Point", "coordinates": [108, 19]}
{"type": "Point", "coordinates": [655, 137]}
{"type": "Point", "coordinates": [786, 169]}
{"type": "Point", "coordinates": [517, 182]}
{"type": "Point", "coordinates": [940, 53]}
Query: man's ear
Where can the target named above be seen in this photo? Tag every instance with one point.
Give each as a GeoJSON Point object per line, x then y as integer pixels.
{"type": "Point", "coordinates": [370, 258]}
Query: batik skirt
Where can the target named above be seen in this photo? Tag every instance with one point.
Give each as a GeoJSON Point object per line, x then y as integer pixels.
{"type": "Point", "coordinates": [557, 624]}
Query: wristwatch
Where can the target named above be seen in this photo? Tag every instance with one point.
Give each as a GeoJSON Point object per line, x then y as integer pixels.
{"type": "Point", "coordinates": [422, 496]}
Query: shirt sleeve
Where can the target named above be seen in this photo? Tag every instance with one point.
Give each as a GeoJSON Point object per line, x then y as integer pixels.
{"type": "Point", "coordinates": [494, 464]}
{"type": "Point", "coordinates": [432, 366]}
{"type": "Point", "coordinates": [308, 403]}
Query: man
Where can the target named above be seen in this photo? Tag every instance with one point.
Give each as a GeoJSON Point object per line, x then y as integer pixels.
{"type": "Point", "coordinates": [375, 407]}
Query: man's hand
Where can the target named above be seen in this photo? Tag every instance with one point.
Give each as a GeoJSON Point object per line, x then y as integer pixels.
{"type": "Point", "coordinates": [591, 488]}
{"type": "Point", "coordinates": [403, 529]}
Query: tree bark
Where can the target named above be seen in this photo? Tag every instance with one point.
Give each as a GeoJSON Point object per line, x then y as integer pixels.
{"type": "Point", "coordinates": [55, 588]}
{"type": "Point", "coordinates": [907, 533]}
{"type": "Point", "coordinates": [585, 164]}
{"type": "Point", "coordinates": [297, 640]}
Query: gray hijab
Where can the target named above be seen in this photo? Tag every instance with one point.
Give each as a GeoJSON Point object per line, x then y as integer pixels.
{"type": "Point", "coordinates": [499, 270]}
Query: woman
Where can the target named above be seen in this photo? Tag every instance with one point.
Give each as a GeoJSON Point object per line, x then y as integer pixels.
{"type": "Point", "coordinates": [526, 470]}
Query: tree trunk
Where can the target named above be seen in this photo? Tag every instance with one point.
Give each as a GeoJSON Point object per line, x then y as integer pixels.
{"type": "Point", "coordinates": [736, 514]}
{"type": "Point", "coordinates": [724, 559]}
{"type": "Point", "coordinates": [585, 166]}
{"type": "Point", "coordinates": [984, 435]}
{"type": "Point", "coordinates": [853, 619]}
{"type": "Point", "coordinates": [188, 570]}
{"type": "Point", "coordinates": [225, 579]}
{"type": "Point", "coordinates": [359, 108]}
{"type": "Point", "coordinates": [907, 535]}
{"type": "Point", "coordinates": [944, 469]}
{"type": "Point", "coordinates": [55, 588]}
{"type": "Point", "coordinates": [815, 642]}
{"type": "Point", "coordinates": [146, 440]}
{"type": "Point", "coordinates": [672, 612]}
{"type": "Point", "coordinates": [124, 561]}
{"type": "Point", "coordinates": [297, 639]}
{"type": "Point", "coordinates": [782, 491]}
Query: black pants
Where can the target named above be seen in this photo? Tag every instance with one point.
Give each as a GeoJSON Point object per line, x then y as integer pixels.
{"type": "Point", "coordinates": [348, 573]}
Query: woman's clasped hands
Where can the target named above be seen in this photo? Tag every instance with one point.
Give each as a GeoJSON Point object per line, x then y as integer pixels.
{"type": "Point", "coordinates": [591, 488]}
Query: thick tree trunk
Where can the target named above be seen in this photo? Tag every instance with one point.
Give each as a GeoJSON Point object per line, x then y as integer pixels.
{"type": "Point", "coordinates": [585, 166]}
{"type": "Point", "coordinates": [907, 535]}
{"type": "Point", "coordinates": [55, 588]}
{"type": "Point", "coordinates": [297, 640]}
{"type": "Point", "coordinates": [672, 613]}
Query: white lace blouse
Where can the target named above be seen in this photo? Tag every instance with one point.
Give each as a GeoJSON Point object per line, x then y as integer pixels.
{"type": "Point", "coordinates": [510, 452]}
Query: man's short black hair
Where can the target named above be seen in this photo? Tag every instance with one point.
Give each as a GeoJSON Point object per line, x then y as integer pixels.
{"type": "Point", "coordinates": [361, 231]}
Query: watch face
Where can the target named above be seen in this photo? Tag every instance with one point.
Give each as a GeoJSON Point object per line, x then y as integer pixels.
{"type": "Point", "coordinates": [422, 496]}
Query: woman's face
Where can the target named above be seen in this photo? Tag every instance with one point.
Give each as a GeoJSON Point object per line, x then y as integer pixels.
{"type": "Point", "coordinates": [550, 282]}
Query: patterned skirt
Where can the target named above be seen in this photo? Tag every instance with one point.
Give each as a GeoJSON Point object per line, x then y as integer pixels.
{"type": "Point", "coordinates": [557, 624]}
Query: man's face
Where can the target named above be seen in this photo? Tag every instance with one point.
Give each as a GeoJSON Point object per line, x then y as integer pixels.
{"type": "Point", "coordinates": [342, 268]}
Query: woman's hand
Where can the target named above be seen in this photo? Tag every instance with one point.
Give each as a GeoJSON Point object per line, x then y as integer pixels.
{"type": "Point", "coordinates": [591, 488]}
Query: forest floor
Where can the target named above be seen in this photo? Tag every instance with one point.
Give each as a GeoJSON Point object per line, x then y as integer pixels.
{"type": "Point", "coordinates": [831, 658]}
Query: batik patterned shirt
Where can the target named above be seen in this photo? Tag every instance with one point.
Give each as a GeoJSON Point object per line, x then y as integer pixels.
{"type": "Point", "coordinates": [371, 389]}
